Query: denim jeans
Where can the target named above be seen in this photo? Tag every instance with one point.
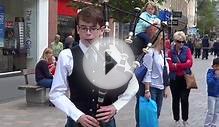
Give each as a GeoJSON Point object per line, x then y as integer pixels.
{"type": "Point", "coordinates": [72, 123]}
{"type": "Point", "coordinates": [144, 37]}
{"type": "Point", "coordinates": [45, 83]}
{"type": "Point", "coordinates": [213, 112]}
{"type": "Point", "coordinates": [137, 111]}
{"type": "Point", "coordinates": [157, 96]}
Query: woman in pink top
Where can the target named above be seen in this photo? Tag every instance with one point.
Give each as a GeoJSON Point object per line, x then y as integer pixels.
{"type": "Point", "coordinates": [180, 62]}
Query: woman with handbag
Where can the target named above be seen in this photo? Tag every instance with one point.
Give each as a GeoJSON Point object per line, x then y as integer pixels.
{"type": "Point", "coordinates": [180, 63]}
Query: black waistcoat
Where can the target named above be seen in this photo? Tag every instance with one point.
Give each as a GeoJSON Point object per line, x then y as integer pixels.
{"type": "Point", "coordinates": [82, 92]}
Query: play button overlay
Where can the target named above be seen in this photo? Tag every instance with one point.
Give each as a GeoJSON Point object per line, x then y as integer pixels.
{"type": "Point", "coordinates": [108, 66]}
{"type": "Point", "coordinates": [109, 63]}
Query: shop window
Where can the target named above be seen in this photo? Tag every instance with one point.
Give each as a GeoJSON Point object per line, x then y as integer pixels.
{"type": "Point", "coordinates": [14, 50]}
{"type": "Point", "coordinates": [66, 26]}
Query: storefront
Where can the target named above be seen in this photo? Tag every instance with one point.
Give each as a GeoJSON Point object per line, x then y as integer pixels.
{"type": "Point", "coordinates": [23, 33]}
{"type": "Point", "coordinates": [66, 18]}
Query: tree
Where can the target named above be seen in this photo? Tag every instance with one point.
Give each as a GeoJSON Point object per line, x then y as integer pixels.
{"type": "Point", "coordinates": [206, 15]}
{"type": "Point", "coordinates": [126, 5]}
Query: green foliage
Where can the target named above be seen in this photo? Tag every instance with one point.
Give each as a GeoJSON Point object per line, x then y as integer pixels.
{"type": "Point", "coordinates": [126, 5]}
{"type": "Point", "coordinates": [206, 15]}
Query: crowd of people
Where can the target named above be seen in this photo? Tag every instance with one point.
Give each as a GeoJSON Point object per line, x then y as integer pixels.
{"type": "Point", "coordinates": [60, 69]}
{"type": "Point", "coordinates": [202, 47]}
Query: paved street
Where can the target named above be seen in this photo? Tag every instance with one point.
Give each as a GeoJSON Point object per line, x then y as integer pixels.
{"type": "Point", "coordinates": [16, 114]}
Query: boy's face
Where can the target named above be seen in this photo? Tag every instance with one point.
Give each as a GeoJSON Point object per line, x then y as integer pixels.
{"type": "Point", "coordinates": [88, 32]}
{"type": "Point", "coordinates": [216, 68]}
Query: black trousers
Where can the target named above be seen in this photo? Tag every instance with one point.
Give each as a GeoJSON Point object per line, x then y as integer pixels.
{"type": "Point", "coordinates": [205, 53]}
{"type": "Point", "coordinates": [197, 52]}
{"type": "Point", "coordinates": [180, 95]}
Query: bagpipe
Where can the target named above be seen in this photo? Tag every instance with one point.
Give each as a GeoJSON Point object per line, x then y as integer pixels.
{"type": "Point", "coordinates": [137, 45]}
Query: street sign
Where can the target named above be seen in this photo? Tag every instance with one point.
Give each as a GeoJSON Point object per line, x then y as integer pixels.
{"type": "Point", "coordinates": [164, 15]}
{"type": "Point", "coordinates": [173, 22]}
{"type": "Point", "coordinates": [176, 14]}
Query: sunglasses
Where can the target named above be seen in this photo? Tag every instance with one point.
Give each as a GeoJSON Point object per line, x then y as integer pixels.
{"type": "Point", "coordinates": [182, 42]}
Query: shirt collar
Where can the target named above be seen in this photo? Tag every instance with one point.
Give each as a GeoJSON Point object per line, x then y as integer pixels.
{"type": "Point", "coordinates": [83, 47]}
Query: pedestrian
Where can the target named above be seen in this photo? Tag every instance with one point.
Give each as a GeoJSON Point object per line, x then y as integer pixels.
{"type": "Point", "coordinates": [43, 76]}
{"type": "Point", "coordinates": [68, 42]}
{"type": "Point", "coordinates": [213, 95]}
{"type": "Point", "coordinates": [190, 44]}
{"type": "Point", "coordinates": [81, 107]}
{"type": "Point", "coordinates": [205, 47]}
{"type": "Point", "coordinates": [198, 46]}
{"type": "Point", "coordinates": [153, 80]}
{"type": "Point", "coordinates": [180, 62]}
{"type": "Point", "coordinates": [143, 28]}
{"type": "Point", "coordinates": [216, 48]}
{"type": "Point", "coordinates": [57, 46]}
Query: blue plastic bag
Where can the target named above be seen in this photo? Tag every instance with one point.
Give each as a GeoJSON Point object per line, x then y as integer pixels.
{"type": "Point", "coordinates": [147, 113]}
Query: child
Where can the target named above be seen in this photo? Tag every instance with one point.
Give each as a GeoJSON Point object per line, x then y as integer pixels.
{"type": "Point", "coordinates": [142, 26]}
{"type": "Point", "coordinates": [52, 65]}
{"type": "Point", "coordinates": [213, 95]}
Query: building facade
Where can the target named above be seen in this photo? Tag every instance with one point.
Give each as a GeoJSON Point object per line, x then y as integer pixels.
{"type": "Point", "coordinates": [188, 19]}
{"type": "Point", "coordinates": [24, 30]}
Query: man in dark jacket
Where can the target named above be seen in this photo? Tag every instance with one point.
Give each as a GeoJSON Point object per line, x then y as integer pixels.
{"type": "Point", "coordinates": [68, 42]}
{"type": "Point", "coordinates": [216, 48]}
{"type": "Point", "coordinates": [205, 46]}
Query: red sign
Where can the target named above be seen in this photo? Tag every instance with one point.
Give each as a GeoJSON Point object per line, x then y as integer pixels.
{"type": "Point", "coordinates": [65, 8]}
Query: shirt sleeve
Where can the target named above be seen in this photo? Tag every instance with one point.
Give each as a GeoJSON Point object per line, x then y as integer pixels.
{"type": "Point", "coordinates": [211, 78]}
{"type": "Point", "coordinates": [128, 94]}
{"type": "Point", "coordinates": [147, 61]}
{"type": "Point", "coordinates": [60, 86]}
{"type": "Point", "coordinates": [145, 16]}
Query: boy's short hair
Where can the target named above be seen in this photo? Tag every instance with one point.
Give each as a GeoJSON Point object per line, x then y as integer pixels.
{"type": "Point", "coordinates": [91, 14]}
{"type": "Point", "coordinates": [216, 61]}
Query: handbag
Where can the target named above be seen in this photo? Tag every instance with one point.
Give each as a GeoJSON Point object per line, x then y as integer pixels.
{"type": "Point", "coordinates": [147, 113]}
{"type": "Point", "coordinates": [141, 71]}
{"type": "Point", "coordinates": [190, 81]}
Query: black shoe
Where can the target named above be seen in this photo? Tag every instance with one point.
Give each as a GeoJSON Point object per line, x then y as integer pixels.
{"type": "Point", "coordinates": [51, 104]}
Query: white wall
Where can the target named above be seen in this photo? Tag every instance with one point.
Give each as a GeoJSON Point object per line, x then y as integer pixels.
{"type": "Point", "coordinates": [43, 25]}
{"type": "Point", "coordinates": [30, 16]}
{"type": "Point", "coordinates": [191, 13]}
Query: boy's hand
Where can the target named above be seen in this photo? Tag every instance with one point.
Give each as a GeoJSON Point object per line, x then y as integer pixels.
{"type": "Point", "coordinates": [105, 113]}
{"type": "Point", "coordinates": [88, 121]}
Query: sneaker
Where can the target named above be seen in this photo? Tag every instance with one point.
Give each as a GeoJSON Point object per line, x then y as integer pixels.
{"type": "Point", "coordinates": [177, 124]}
{"type": "Point", "coordinates": [185, 124]}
